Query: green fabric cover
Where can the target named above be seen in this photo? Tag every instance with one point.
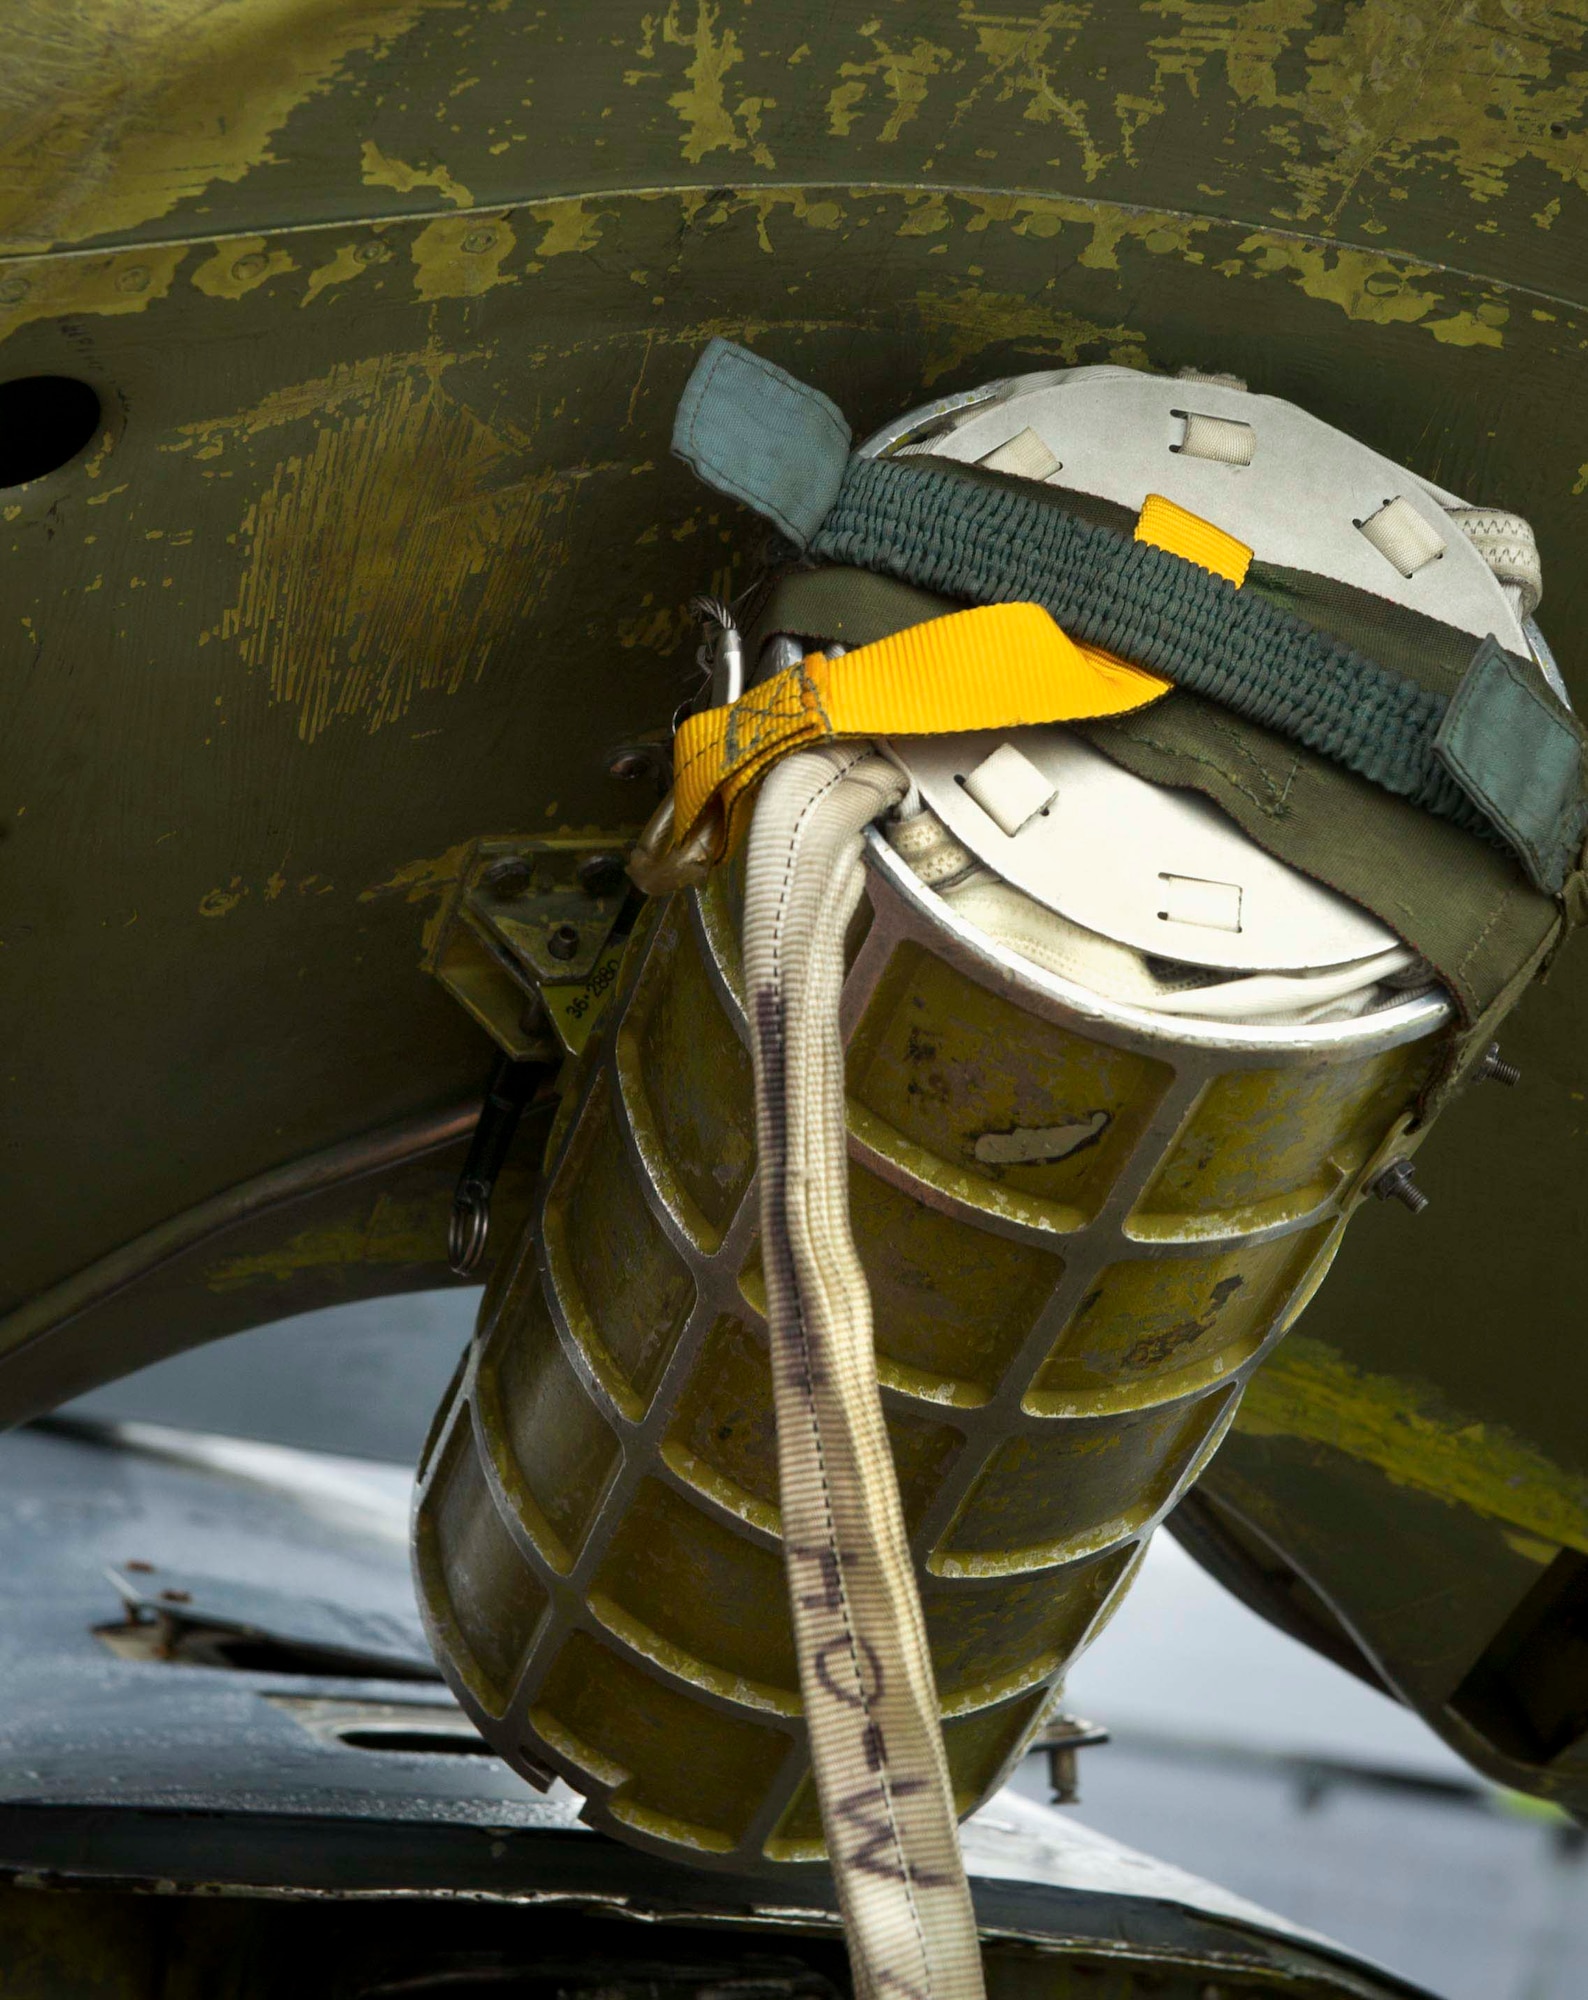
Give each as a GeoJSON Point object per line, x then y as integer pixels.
{"type": "Point", "coordinates": [1391, 697]}
{"type": "Point", "coordinates": [1460, 902]}
{"type": "Point", "coordinates": [1016, 541]}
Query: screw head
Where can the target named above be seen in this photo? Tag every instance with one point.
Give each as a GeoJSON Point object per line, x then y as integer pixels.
{"type": "Point", "coordinates": [134, 279]}
{"type": "Point", "coordinates": [250, 266]}
{"type": "Point", "coordinates": [478, 241]}
{"type": "Point", "coordinates": [1396, 1184]}
{"type": "Point", "coordinates": [563, 941]}
{"type": "Point", "coordinates": [370, 253]}
{"type": "Point", "coordinates": [601, 875]}
{"type": "Point", "coordinates": [1495, 1069]}
{"type": "Point", "coordinates": [510, 876]}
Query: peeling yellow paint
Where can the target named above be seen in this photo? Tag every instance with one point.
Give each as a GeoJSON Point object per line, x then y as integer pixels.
{"type": "Point", "coordinates": [239, 266]}
{"type": "Point", "coordinates": [1310, 1392]}
{"type": "Point", "coordinates": [221, 902]}
{"type": "Point", "coordinates": [379, 170]}
{"type": "Point", "coordinates": [1466, 329]}
{"type": "Point", "coordinates": [59, 287]}
{"type": "Point", "coordinates": [1027, 59]}
{"type": "Point", "coordinates": [422, 880]}
{"type": "Point", "coordinates": [1366, 285]}
{"type": "Point", "coordinates": [349, 260]}
{"type": "Point", "coordinates": [702, 106]}
{"type": "Point", "coordinates": [928, 215]}
{"type": "Point", "coordinates": [903, 75]}
{"type": "Point", "coordinates": [461, 256]}
{"type": "Point", "coordinates": [396, 1231]}
{"type": "Point", "coordinates": [1531, 1550]}
{"type": "Point", "coordinates": [348, 384]}
{"type": "Point", "coordinates": [570, 226]}
{"type": "Point", "coordinates": [119, 111]}
{"type": "Point", "coordinates": [1473, 91]}
{"type": "Point", "coordinates": [962, 325]}
{"type": "Point", "coordinates": [656, 627]}
{"type": "Point", "coordinates": [1246, 38]}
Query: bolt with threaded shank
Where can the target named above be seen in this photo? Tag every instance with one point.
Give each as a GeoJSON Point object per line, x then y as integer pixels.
{"type": "Point", "coordinates": [1495, 1069]}
{"type": "Point", "coordinates": [1396, 1184]}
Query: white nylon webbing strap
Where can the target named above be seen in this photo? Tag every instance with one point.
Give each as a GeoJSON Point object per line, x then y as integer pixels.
{"type": "Point", "coordinates": [865, 1672]}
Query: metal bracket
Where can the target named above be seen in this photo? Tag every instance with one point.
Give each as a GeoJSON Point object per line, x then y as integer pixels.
{"type": "Point", "coordinates": [526, 943]}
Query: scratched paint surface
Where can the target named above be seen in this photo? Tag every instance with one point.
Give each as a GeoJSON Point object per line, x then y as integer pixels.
{"type": "Point", "coordinates": [1455, 133]}
{"type": "Point", "coordinates": [380, 546]}
{"type": "Point", "coordinates": [346, 579]}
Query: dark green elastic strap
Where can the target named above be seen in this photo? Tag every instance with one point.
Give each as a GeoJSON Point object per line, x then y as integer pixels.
{"type": "Point", "coordinates": [991, 544]}
{"type": "Point", "coordinates": [1490, 751]}
{"type": "Point", "coordinates": [1460, 903]}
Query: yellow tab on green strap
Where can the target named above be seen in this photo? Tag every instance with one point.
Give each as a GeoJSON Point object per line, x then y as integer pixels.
{"type": "Point", "coordinates": [999, 666]}
{"type": "Point", "coordinates": [1183, 533]}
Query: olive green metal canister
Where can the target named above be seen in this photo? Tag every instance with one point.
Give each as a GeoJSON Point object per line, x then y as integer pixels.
{"type": "Point", "coordinates": [1082, 1227]}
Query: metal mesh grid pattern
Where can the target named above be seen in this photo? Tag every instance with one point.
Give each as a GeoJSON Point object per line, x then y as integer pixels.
{"type": "Point", "coordinates": [1061, 1344]}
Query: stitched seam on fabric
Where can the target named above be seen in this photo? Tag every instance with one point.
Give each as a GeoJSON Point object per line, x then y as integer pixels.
{"type": "Point", "coordinates": [1210, 763]}
{"type": "Point", "coordinates": [883, 1777]}
{"type": "Point", "coordinates": [1477, 943]}
{"type": "Point", "coordinates": [1279, 793]}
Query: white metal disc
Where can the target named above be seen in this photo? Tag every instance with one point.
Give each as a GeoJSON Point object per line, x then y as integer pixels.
{"type": "Point", "coordinates": [1163, 871]}
{"type": "Point", "coordinates": [1298, 499]}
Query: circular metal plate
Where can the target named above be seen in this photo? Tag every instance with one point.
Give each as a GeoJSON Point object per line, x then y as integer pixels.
{"type": "Point", "coordinates": [1163, 871]}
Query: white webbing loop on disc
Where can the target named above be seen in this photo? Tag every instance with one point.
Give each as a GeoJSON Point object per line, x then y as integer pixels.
{"type": "Point", "coordinates": [1402, 537]}
{"type": "Point", "coordinates": [865, 1671]}
{"type": "Point", "coordinates": [1222, 439]}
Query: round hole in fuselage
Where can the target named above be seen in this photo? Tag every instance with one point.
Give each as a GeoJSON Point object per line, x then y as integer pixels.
{"type": "Point", "coordinates": [45, 421]}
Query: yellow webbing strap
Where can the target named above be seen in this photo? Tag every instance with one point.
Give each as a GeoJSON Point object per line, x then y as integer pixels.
{"type": "Point", "coordinates": [1167, 526]}
{"type": "Point", "coordinates": [999, 666]}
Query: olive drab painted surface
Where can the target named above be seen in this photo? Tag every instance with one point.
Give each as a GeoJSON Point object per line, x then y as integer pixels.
{"type": "Point", "coordinates": [376, 548]}
{"type": "Point", "coordinates": [1061, 1345]}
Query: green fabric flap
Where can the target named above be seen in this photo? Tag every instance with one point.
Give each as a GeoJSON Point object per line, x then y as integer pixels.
{"type": "Point", "coordinates": [1518, 756]}
{"type": "Point", "coordinates": [1458, 901]}
{"type": "Point", "coordinates": [1462, 904]}
{"type": "Point", "coordinates": [752, 430]}
{"type": "Point", "coordinates": [1490, 753]}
